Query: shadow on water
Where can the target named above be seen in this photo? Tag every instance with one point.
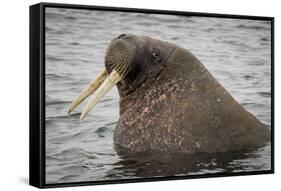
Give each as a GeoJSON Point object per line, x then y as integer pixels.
{"type": "Point", "coordinates": [147, 164]}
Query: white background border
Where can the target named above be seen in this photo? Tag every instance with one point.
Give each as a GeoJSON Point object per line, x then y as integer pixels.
{"type": "Point", "coordinates": [14, 96]}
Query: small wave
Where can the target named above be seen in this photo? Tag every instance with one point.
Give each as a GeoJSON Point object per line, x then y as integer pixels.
{"type": "Point", "coordinates": [55, 76]}
{"type": "Point", "coordinates": [111, 123]}
{"type": "Point", "coordinates": [66, 77]}
{"type": "Point", "coordinates": [49, 123]}
{"type": "Point", "coordinates": [107, 100]}
{"type": "Point", "coordinates": [257, 63]}
{"type": "Point", "coordinates": [265, 94]}
{"type": "Point", "coordinates": [141, 15]}
{"type": "Point", "coordinates": [254, 27]}
{"type": "Point", "coordinates": [52, 44]}
{"type": "Point", "coordinates": [248, 77]}
{"type": "Point", "coordinates": [73, 153]}
{"type": "Point", "coordinates": [74, 43]}
{"type": "Point", "coordinates": [175, 38]}
{"type": "Point", "coordinates": [174, 26]}
{"type": "Point", "coordinates": [74, 117]}
{"type": "Point", "coordinates": [238, 44]}
{"type": "Point", "coordinates": [50, 15]}
{"type": "Point", "coordinates": [106, 154]}
{"type": "Point", "coordinates": [70, 116]}
{"type": "Point", "coordinates": [264, 39]}
{"type": "Point", "coordinates": [62, 32]}
{"type": "Point", "coordinates": [48, 29]}
{"type": "Point", "coordinates": [164, 18]}
{"type": "Point", "coordinates": [70, 18]}
{"type": "Point", "coordinates": [51, 158]}
{"type": "Point", "coordinates": [101, 131]}
{"type": "Point", "coordinates": [247, 104]}
{"type": "Point", "coordinates": [53, 59]}
{"type": "Point", "coordinates": [89, 141]}
{"type": "Point", "coordinates": [68, 177]}
{"type": "Point", "coordinates": [76, 134]}
{"type": "Point", "coordinates": [146, 24]}
{"type": "Point", "coordinates": [57, 102]}
{"type": "Point", "coordinates": [209, 29]}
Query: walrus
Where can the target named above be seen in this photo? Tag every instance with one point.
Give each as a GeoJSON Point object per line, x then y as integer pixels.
{"type": "Point", "coordinates": [169, 102]}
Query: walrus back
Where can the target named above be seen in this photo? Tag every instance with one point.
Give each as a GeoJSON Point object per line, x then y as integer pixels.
{"type": "Point", "coordinates": [233, 127]}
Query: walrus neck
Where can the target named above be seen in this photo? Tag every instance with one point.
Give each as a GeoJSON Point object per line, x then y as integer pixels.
{"type": "Point", "coordinates": [132, 97]}
{"type": "Point", "coordinates": [127, 93]}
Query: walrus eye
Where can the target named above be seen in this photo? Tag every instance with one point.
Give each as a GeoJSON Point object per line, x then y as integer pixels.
{"type": "Point", "coordinates": [155, 53]}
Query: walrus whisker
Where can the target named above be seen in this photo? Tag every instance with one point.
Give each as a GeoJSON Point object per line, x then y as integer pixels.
{"type": "Point", "coordinates": [124, 69]}
{"type": "Point", "coordinates": [112, 63]}
{"type": "Point", "coordinates": [116, 64]}
{"type": "Point", "coordinates": [120, 65]}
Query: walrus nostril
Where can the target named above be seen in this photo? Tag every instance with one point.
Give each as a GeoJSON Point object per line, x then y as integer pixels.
{"type": "Point", "coordinates": [121, 35]}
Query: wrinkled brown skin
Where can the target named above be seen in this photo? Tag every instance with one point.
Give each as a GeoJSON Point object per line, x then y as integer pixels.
{"type": "Point", "coordinates": [186, 110]}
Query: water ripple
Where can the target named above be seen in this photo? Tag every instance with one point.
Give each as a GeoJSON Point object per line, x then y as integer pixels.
{"type": "Point", "coordinates": [237, 53]}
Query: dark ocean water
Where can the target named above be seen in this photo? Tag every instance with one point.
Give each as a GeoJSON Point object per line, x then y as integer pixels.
{"type": "Point", "coordinates": [236, 52]}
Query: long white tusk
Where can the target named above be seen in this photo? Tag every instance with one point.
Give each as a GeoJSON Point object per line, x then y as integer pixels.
{"type": "Point", "coordinates": [90, 89]}
{"type": "Point", "coordinates": [112, 79]}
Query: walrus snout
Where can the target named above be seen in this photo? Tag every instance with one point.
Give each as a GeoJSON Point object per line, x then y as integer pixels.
{"type": "Point", "coordinates": [118, 57]}
{"type": "Point", "coordinates": [121, 57]}
{"type": "Point", "coordinates": [119, 54]}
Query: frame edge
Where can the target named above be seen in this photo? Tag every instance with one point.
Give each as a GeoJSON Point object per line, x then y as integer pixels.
{"type": "Point", "coordinates": [36, 71]}
{"type": "Point", "coordinates": [35, 159]}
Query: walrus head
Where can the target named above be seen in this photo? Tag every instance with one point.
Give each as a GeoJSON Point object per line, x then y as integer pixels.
{"type": "Point", "coordinates": [129, 61]}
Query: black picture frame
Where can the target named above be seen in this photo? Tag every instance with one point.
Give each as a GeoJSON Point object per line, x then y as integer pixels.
{"type": "Point", "coordinates": [37, 93]}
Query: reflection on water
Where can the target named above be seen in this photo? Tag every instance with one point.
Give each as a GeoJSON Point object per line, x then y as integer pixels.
{"type": "Point", "coordinates": [237, 53]}
{"type": "Point", "coordinates": [175, 164]}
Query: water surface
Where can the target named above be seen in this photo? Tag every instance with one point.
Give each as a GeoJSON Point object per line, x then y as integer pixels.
{"type": "Point", "coordinates": [236, 52]}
